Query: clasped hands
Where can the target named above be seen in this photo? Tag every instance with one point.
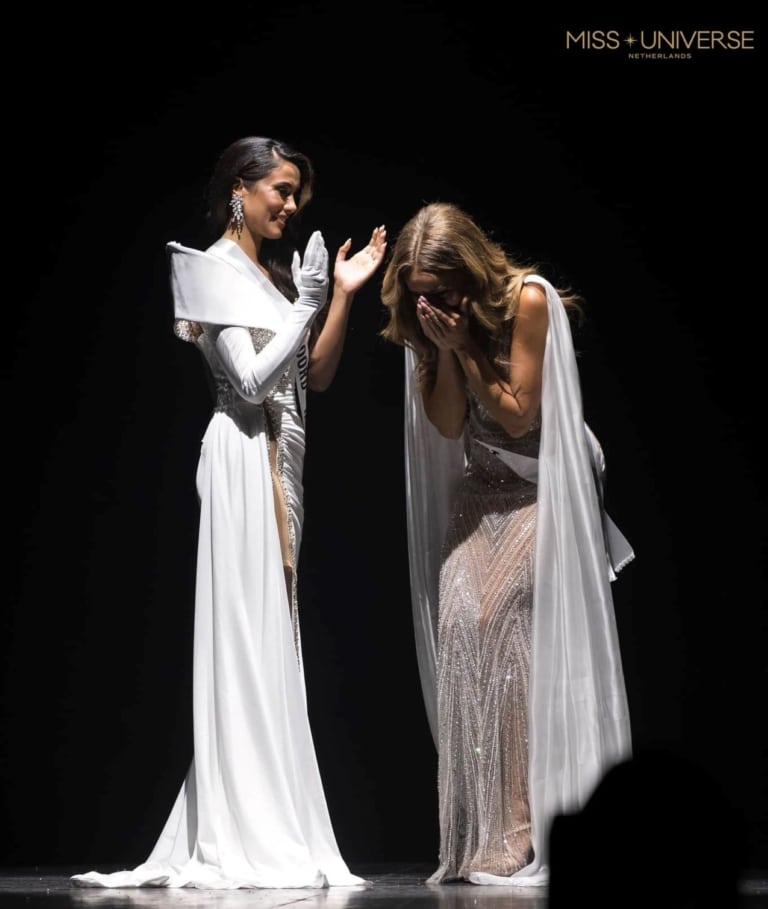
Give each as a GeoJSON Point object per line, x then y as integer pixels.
{"type": "Point", "coordinates": [447, 329]}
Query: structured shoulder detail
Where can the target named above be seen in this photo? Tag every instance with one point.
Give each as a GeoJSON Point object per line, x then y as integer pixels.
{"type": "Point", "coordinates": [209, 289]}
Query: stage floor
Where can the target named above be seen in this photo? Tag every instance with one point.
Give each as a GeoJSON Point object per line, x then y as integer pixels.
{"type": "Point", "coordinates": [391, 887]}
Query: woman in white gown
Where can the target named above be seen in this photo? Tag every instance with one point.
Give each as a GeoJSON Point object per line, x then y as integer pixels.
{"type": "Point", "coordinates": [252, 811]}
{"type": "Point", "coordinates": [511, 553]}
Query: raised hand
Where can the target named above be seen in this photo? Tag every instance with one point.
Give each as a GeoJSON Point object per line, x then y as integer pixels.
{"type": "Point", "coordinates": [310, 274]}
{"type": "Point", "coordinates": [349, 275]}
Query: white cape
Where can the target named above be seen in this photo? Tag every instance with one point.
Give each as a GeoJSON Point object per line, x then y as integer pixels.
{"type": "Point", "coordinates": [578, 714]}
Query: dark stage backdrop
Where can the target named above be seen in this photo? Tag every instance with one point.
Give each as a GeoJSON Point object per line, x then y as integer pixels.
{"type": "Point", "coordinates": [634, 179]}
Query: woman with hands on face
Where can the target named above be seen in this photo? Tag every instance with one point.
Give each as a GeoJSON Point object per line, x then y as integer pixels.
{"type": "Point", "coordinates": [445, 314]}
{"type": "Point", "coordinates": [251, 811]}
{"type": "Point", "coordinates": [511, 552]}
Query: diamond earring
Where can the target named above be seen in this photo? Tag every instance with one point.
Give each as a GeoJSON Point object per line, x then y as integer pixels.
{"type": "Point", "coordinates": [236, 208]}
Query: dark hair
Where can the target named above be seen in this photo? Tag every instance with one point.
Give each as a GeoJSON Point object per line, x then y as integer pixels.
{"type": "Point", "coordinates": [247, 160]}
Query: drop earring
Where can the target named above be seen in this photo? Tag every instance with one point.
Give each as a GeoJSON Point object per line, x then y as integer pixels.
{"type": "Point", "coordinates": [236, 208]}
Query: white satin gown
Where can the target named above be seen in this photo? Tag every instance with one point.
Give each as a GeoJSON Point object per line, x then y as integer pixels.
{"type": "Point", "coordinates": [251, 811]}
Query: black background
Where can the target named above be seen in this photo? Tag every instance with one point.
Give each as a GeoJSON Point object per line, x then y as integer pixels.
{"type": "Point", "coordinates": [635, 181]}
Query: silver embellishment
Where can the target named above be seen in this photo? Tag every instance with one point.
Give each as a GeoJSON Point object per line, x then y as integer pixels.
{"type": "Point", "coordinates": [236, 208]}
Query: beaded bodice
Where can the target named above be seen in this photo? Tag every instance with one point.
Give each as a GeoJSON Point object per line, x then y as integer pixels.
{"type": "Point", "coordinates": [482, 427]}
{"type": "Point", "coordinates": [227, 399]}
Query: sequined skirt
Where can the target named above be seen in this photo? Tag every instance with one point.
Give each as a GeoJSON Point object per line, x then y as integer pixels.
{"type": "Point", "coordinates": [484, 646]}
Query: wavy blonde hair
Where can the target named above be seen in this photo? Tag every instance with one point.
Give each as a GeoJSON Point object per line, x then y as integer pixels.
{"type": "Point", "coordinates": [442, 239]}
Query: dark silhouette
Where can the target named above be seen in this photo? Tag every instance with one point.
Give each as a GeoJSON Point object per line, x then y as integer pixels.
{"type": "Point", "coordinates": [659, 830]}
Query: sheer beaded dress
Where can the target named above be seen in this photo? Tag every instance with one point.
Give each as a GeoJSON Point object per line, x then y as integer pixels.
{"type": "Point", "coordinates": [484, 646]}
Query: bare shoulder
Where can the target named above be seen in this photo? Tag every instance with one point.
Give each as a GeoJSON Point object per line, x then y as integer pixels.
{"type": "Point", "coordinates": [533, 300]}
{"type": "Point", "coordinates": [532, 309]}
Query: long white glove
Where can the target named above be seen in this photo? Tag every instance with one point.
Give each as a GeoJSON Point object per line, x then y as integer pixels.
{"type": "Point", "coordinates": [311, 275]}
{"type": "Point", "coordinates": [253, 374]}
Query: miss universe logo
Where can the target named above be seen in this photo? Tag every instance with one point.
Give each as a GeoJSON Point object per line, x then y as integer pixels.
{"type": "Point", "coordinates": [661, 43]}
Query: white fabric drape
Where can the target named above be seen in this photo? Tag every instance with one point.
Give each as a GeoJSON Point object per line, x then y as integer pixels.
{"type": "Point", "coordinates": [578, 714]}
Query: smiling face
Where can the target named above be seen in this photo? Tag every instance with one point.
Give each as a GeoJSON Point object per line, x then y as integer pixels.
{"type": "Point", "coordinates": [440, 290]}
{"type": "Point", "coordinates": [269, 203]}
